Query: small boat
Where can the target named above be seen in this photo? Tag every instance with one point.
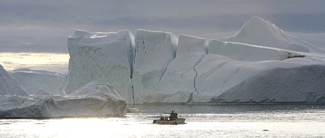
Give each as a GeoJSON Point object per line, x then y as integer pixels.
{"type": "Point", "coordinates": [173, 119]}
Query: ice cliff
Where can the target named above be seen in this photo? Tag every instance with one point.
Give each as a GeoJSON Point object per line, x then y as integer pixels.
{"type": "Point", "coordinates": [153, 53]}
{"type": "Point", "coordinates": [261, 63]}
{"type": "Point", "coordinates": [101, 57]}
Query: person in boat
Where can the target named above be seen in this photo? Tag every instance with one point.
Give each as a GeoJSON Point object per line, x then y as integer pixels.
{"type": "Point", "coordinates": [173, 115]}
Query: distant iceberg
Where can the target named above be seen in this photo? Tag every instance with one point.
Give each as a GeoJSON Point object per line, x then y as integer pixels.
{"type": "Point", "coordinates": [9, 85]}
{"type": "Point", "coordinates": [261, 63]}
{"type": "Point", "coordinates": [92, 100]}
{"type": "Point", "coordinates": [33, 80]}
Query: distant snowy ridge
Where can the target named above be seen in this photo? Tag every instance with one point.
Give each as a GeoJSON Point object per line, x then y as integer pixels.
{"type": "Point", "coordinates": [155, 66]}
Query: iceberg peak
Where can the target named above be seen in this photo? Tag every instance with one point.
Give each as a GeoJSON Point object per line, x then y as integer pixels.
{"type": "Point", "coordinates": [258, 31]}
{"type": "Point", "coordinates": [256, 20]}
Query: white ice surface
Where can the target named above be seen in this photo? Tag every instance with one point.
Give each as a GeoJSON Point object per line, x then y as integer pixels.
{"type": "Point", "coordinates": [180, 77]}
{"type": "Point", "coordinates": [153, 53]}
{"type": "Point", "coordinates": [154, 50]}
{"type": "Point", "coordinates": [95, 89]}
{"type": "Point", "coordinates": [105, 57]}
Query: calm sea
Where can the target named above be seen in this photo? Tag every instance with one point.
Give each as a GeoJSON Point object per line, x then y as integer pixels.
{"type": "Point", "coordinates": [202, 121]}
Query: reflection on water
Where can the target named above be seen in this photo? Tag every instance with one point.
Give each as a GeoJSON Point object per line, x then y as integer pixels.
{"type": "Point", "coordinates": [55, 62]}
{"type": "Point", "coordinates": [202, 121]}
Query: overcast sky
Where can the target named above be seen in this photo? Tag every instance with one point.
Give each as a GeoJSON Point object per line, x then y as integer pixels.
{"type": "Point", "coordinates": [43, 26]}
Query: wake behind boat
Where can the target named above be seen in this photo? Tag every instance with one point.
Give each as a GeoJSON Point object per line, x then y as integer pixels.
{"type": "Point", "coordinates": [171, 120]}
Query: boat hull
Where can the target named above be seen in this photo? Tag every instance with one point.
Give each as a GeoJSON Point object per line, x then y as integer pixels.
{"type": "Point", "coordinates": [170, 122]}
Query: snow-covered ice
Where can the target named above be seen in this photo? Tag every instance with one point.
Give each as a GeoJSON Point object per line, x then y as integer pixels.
{"type": "Point", "coordinates": [154, 51]}
{"type": "Point", "coordinates": [180, 77]}
{"type": "Point", "coordinates": [102, 57]}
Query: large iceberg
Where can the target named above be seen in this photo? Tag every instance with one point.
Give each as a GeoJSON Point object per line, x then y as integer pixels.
{"type": "Point", "coordinates": [261, 63]}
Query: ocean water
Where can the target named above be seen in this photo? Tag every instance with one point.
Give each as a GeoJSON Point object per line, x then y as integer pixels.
{"type": "Point", "coordinates": [202, 121]}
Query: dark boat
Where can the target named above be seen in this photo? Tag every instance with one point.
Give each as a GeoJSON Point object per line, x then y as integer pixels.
{"type": "Point", "coordinates": [173, 119]}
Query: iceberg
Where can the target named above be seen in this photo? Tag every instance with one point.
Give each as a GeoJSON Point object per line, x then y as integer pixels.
{"type": "Point", "coordinates": [154, 51]}
{"type": "Point", "coordinates": [9, 85]}
{"type": "Point", "coordinates": [92, 100]}
{"type": "Point", "coordinates": [304, 84]}
{"type": "Point", "coordinates": [33, 80]}
{"type": "Point", "coordinates": [101, 57]}
{"type": "Point", "coordinates": [261, 63]}
{"type": "Point", "coordinates": [180, 77]}
{"type": "Point", "coordinates": [257, 31]}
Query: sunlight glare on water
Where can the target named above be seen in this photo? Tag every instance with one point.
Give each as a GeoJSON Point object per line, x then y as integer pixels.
{"type": "Point", "coordinates": [247, 122]}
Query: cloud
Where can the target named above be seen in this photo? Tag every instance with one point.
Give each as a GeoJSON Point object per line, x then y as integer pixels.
{"type": "Point", "coordinates": [35, 40]}
{"type": "Point", "coordinates": [34, 48]}
{"type": "Point", "coordinates": [41, 25]}
{"type": "Point", "coordinates": [309, 23]}
{"type": "Point", "coordinates": [106, 14]}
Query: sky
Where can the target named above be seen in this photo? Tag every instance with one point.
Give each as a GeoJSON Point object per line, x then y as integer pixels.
{"type": "Point", "coordinates": [44, 26]}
